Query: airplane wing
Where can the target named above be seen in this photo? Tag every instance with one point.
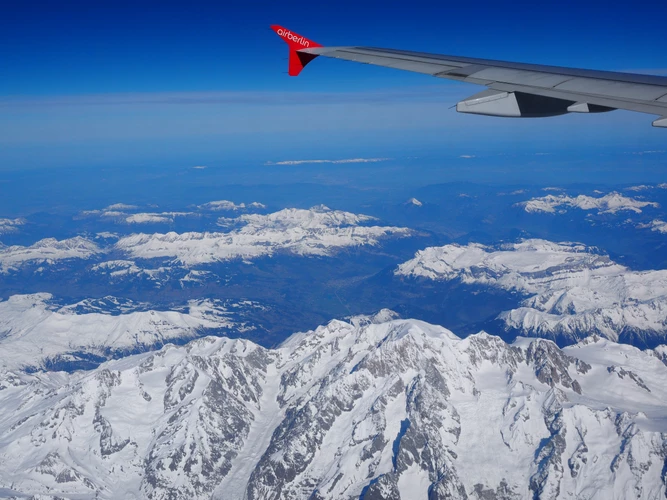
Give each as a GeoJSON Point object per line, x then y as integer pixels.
{"type": "Point", "coordinates": [513, 89]}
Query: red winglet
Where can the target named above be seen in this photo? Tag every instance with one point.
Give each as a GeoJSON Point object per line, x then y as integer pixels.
{"type": "Point", "coordinates": [297, 60]}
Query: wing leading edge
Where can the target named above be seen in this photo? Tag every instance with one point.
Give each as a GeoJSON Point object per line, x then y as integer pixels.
{"type": "Point", "coordinates": [513, 89]}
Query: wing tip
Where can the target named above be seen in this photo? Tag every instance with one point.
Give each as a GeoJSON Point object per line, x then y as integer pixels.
{"type": "Point", "coordinates": [295, 42]}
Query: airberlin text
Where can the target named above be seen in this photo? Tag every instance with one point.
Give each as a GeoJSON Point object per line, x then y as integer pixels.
{"type": "Point", "coordinates": [293, 38]}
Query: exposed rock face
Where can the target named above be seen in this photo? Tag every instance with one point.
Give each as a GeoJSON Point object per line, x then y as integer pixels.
{"type": "Point", "coordinates": [372, 408]}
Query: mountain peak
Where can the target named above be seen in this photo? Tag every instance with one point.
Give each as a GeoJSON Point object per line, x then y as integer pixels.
{"type": "Point", "coordinates": [359, 407]}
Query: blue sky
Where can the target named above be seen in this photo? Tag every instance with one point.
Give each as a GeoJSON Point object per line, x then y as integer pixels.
{"type": "Point", "coordinates": [150, 83]}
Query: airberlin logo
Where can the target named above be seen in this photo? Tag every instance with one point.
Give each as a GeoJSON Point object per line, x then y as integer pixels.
{"type": "Point", "coordinates": [293, 38]}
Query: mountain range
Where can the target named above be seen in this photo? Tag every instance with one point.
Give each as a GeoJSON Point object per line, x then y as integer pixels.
{"type": "Point", "coordinates": [368, 407]}
{"type": "Point", "coordinates": [569, 290]}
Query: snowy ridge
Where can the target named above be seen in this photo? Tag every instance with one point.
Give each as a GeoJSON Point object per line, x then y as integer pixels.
{"type": "Point", "coordinates": [121, 206]}
{"type": "Point", "coordinates": [229, 206]}
{"type": "Point", "coordinates": [610, 203]}
{"type": "Point", "coordinates": [372, 407]}
{"type": "Point", "coordinates": [122, 216]}
{"type": "Point", "coordinates": [318, 231]}
{"type": "Point", "coordinates": [151, 218]}
{"type": "Point", "coordinates": [47, 251]}
{"type": "Point", "coordinates": [657, 225]}
{"type": "Point", "coordinates": [130, 214]}
{"type": "Point", "coordinates": [37, 333]}
{"type": "Point", "coordinates": [10, 225]}
{"type": "Point", "coordinates": [644, 187]}
{"type": "Point", "coordinates": [571, 291]}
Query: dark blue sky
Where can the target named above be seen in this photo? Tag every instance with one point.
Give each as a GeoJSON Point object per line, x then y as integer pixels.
{"type": "Point", "coordinates": [148, 82]}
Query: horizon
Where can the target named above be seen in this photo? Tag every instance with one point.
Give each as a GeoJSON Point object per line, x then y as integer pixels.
{"type": "Point", "coordinates": [128, 85]}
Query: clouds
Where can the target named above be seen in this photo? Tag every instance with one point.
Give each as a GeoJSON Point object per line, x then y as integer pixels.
{"type": "Point", "coordinates": [334, 162]}
{"type": "Point", "coordinates": [413, 93]}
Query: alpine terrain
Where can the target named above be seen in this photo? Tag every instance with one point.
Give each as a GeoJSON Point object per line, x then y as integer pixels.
{"type": "Point", "coordinates": [367, 408]}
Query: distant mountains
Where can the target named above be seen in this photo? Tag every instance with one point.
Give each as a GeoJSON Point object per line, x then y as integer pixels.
{"type": "Point", "coordinates": [149, 352]}
{"type": "Point", "coordinates": [317, 231]}
{"type": "Point", "coordinates": [570, 291]}
{"type": "Point", "coordinates": [36, 333]}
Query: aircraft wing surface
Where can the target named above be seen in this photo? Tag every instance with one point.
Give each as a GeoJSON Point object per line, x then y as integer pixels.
{"type": "Point", "coordinates": [513, 89]}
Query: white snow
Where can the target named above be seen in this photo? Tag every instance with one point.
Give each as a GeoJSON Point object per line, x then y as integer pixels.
{"type": "Point", "coordinates": [121, 206]}
{"type": "Point", "coordinates": [106, 235]}
{"type": "Point", "coordinates": [655, 225]}
{"type": "Point", "coordinates": [10, 225]}
{"type": "Point", "coordinates": [609, 203]}
{"type": "Point", "coordinates": [570, 288]}
{"type": "Point", "coordinates": [34, 329]}
{"type": "Point", "coordinates": [48, 250]}
{"type": "Point", "coordinates": [318, 231]}
{"type": "Point", "coordinates": [226, 205]}
{"type": "Point", "coordinates": [266, 418]}
{"type": "Point", "coordinates": [161, 217]}
{"type": "Point", "coordinates": [323, 412]}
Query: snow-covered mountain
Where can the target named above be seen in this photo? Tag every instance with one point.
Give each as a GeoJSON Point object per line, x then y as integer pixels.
{"type": "Point", "coordinates": [10, 225]}
{"type": "Point", "coordinates": [46, 251]}
{"type": "Point", "coordinates": [226, 205]}
{"type": "Point", "coordinates": [571, 291]}
{"type": "Point", "coordinates": [374, 407]}
{"type": "Point", "coordinates": [317, 231]}
{"type": "Point", "coordinates": [155, 217]}
{"type": "Point", "coordinates": [609, 203]}
{"type": "Point", "coordinates": [657, 225]}
{"type": "Point", "coordinates": [645, 187]}
{"type": "Point", "coordinates": [118, 270]}
{"type": "Point", "coordinates": [38, 333]}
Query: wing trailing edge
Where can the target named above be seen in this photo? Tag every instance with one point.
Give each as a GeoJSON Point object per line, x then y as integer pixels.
{"type": "Point", "coordinates": [514, 89]}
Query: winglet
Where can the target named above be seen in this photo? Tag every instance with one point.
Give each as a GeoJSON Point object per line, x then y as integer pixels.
{"type": "Point", "coordinates": [297, 60]}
